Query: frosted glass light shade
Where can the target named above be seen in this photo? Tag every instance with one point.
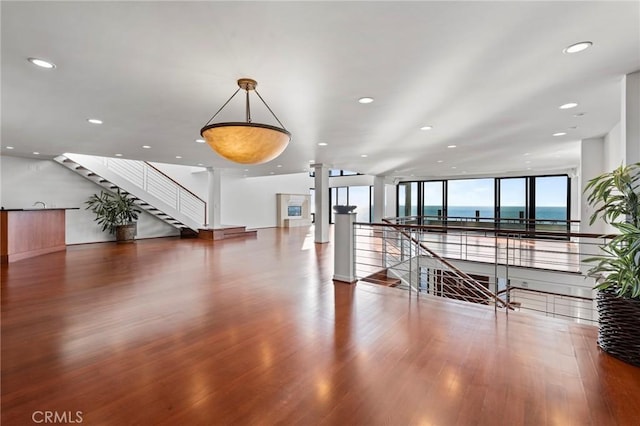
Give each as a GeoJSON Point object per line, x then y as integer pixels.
{"type": "Point", "coordinates": [246, 143]}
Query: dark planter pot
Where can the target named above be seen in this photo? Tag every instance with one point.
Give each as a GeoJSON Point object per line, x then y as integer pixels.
{"type": "Point", "coordinates": [619, 333]}
{"type": "Point", "coordinates": [126, 233]}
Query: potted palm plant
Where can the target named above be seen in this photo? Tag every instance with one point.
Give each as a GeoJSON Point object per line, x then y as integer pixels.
{"type": "Point", "coordinates": [115, 213]}
{"type": "Point", "coordinates": [616, 197]}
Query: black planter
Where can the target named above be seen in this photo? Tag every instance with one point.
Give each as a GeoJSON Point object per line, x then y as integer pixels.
{"type": "Point", "coordinates": [619, 333]}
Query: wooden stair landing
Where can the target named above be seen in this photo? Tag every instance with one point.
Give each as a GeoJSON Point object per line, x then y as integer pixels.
{"type": "Point", "coordinates": [381, 278]}
{"type": "Point", "coordinates": [225, 232]}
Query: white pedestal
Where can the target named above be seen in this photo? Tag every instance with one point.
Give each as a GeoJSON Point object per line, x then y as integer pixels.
{"type": "Point", "coordinates": [343, 267]}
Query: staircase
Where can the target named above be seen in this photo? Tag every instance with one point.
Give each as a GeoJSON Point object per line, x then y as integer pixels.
{"type": "Point", "coordinates": [152, 190]}
{"type": "Point", "coordinates": [394, 256]}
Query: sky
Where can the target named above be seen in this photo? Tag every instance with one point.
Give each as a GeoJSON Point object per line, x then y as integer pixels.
{"type": "Point", "coordinates": [550, 192]}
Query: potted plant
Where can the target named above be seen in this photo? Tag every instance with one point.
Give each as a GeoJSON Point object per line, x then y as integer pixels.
{"type": "Point", "coordinates": [116, 213]}
{"type": "Point", "coordinates": [616, 196]}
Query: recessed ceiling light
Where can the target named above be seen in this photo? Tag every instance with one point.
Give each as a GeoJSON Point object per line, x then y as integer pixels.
{"type": "Point", "coordinates": [271, 173]}
{"type": "Point", "coordinates": [279, 165]}
{"type": "Point", "coordinates": [146, 146]}
{"type": "Point", "coordinates": [246, 170]}
{"type": "Point", "coordinates": [439, 161]}
{"type": "Point", "coordinates": [577, 47]}
{"type": "Point", "coordinates": [453, 167]}
{"type": "Point", "coordinates": [526, 153]}
{"type": "Point", "coordinates": [365, 100]}
{"type": "Point", "coordinates": [42, 63]}
{"type": "Point", "coordinates": [200, 140]}
{"type": "Point", "coordinates": [118, 155]}
{"type": "Point", "coordinates": [528, 168]}
{"type": "Point", "coordinates": [568, 105]}
{"type": "Point", "coordinates": [451, 146]}
{"type": "Point", "coordinates": [323, 144]}
{"type": "Point", "coordinates": [200, 164]}
{"type": "Point", "coordinates": [94, 121]}
{"type": "Point", "coordinates": [178, 156]}
{"type": "Point", "coordinates": [36, 153]}
{"type": "Point", "coordinates": [9, 147]}
{"type": "Point", "coordinates": [560, 134]}
{"type": "Point", "coordinates": [426, 127]}
{"type": "Point", "coordinates": [364, 155]}
{"type": "Point", "coordinates": [580, 114]}
{"type": "Point", "coordinates": [312, 161]}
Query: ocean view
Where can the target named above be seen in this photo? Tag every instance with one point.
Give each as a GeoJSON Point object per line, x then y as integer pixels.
{"type": "Point", "coordinates": [542, 213]}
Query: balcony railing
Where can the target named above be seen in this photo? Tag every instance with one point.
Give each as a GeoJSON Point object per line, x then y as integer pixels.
{"type": "Point", "coordinates": [542, 273]}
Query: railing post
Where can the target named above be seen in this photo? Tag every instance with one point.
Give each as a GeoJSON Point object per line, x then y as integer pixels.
{"type": "Point", "coordinates": [495, 270]}
{"type": "Point", "coordinates": [506, 273]}
{"type": "Point", "coordinates": [145, 180]}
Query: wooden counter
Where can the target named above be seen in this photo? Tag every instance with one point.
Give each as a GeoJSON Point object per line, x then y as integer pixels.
{"type": "Point", "coordinates": [32, 232]}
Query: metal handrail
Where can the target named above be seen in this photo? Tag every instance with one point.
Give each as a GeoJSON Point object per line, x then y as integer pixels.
{"type": "Point", "coordinates": [466, 278]}
{"type": "Point", "coordinates": [512, 252]}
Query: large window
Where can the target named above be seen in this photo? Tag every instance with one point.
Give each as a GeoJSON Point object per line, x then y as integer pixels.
{"type": "Point", "coordinates": [532, 202]}
{"type": "Point", "coordinates": [551, 203]}
{"type": "Point", "coordinates": [551, 198]}
{"type": "Point", "coordinates": [408, 199]}
{"type": "Point", "coordinates": [470, 198]}
{"type": "Point", "coordinates": [433, 198]}
{"type": "Point", "coordinates": [360, 196]}
{"type": "Point", "coordinates": [513, 198]}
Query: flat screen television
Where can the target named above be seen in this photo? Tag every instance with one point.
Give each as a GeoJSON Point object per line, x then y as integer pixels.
{"type": "Point", "coordinates": [294, 211]}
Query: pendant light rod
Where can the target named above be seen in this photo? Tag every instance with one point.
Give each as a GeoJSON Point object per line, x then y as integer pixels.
{"type": "Point", "coordinates": [265, 104]}
{"type": "Point", "coordinates": [222, 107]}
{"type": "Point", "coordinates": [248, 108]}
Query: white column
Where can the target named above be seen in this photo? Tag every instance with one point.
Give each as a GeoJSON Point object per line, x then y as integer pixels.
{"type": "Point", "coordinates": [591, 165]}
{"type": "Point", "coordinates": [322, 203]}
{"type": "Point", "coordinates": [379, 201]}
{"type": "Point", "coordinates": [391, 191]}
{"type": "Point", "coordinates": [343, 267]}
{"type": "Point", "coordinates": [214, 190]}
{"type": "Point", "coordinates": [630, 117]}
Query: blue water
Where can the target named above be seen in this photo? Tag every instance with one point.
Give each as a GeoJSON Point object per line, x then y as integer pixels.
{"type": "Point", "coordinates": [542, 213]}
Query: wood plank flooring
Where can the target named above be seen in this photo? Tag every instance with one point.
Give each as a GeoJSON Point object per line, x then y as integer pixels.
{"type": "Point", "coordinates": [254, 332]}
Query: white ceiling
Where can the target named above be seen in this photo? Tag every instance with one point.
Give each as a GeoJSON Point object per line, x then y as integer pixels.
{"type": "Point", "coordinates": [488, 76]}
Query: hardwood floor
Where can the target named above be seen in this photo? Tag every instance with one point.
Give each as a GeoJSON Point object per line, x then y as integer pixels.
{"type": "Point", "coordinates": [254, 332]}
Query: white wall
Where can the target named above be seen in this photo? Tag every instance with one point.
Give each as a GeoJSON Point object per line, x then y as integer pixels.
{"type": "Point", "coordinates": [252, 201]}
{"type": "Point", "coordinates": [25, 181]}
{"type": "Point", "coordinates": [391, 200]}
{"type": "Point", "coordinates": [591, 165]}
{"type": "Point", "coordinates": [613, 148]}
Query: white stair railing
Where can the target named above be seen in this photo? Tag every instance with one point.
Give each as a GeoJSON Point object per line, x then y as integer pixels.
{"type": "Point", "coordinates": [149, 184]}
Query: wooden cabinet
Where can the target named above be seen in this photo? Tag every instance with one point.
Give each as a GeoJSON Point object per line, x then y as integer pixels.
{"type": "Point", "coordinates": [29, 233]}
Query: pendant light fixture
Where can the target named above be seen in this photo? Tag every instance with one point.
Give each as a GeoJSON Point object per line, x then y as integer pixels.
{"type": "Point", "coordinates": [246, 142]}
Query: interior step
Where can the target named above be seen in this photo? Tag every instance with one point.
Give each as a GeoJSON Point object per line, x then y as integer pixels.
{"type": "Point", "coordinates": [381, 278]}
{"type": "Point", "coordinates": [225, 232]}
